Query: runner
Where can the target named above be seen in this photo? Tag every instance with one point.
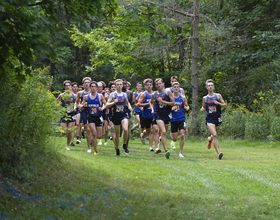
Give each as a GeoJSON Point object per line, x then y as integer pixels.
{"type": "Point", "coordinates": [95, 104]}
{"type": "Point", "coordinates": [147, 119]}
{"type": "Point", "coordinates": [213, 103]}
{"type": "Point", "coordinates": [178, 116]}
{"type": "Point", "coordinates": [120, 118]}
{"type": "Point", "coordinates": [163, 100]}
{"type": "Point", "coordinates": [84, 112]}
{"type": "Point", "coordinates": [67, 100]}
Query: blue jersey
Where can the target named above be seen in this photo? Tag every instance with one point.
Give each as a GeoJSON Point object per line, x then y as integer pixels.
{"type": "Point", "coordinates": [147, 111]}
{"type": "Point", "coordinates": [161, 108]}
{"type": "Point", "coordinates": [178, 114]}
{"type": "Point", "coordinates": [94, 105]}
{"type": "Point", "coordinates": [136, 109]}
{"type": "Point", "coordinates": [211, 108]}
{"type": "Point", "coordinates": [120, 108]}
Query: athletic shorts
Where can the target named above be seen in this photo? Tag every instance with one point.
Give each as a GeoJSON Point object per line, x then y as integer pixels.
{"type": "Point", "coordinates": [118, 119]}
{"type": "Point", "coordinates": [177, 126]}
{"type": "Point", "coordinates": [146, 122]}
{"type": "Point", "coordinates": [84, 115]}
{"type": "Point", "coordinates": [67, 119]}
{"type": "Point", "coordinates": [96, 120]}
{"type": "Point", "coordinates": [164, 118]}
{"type": "Point", "coordinates": [217, 121]}
{"type": "Point", "coordinates": [141, 121]}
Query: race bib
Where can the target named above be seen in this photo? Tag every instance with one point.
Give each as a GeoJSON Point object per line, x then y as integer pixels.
{"type": "Point", "coordinates": [212, 109]}
{"type": "Point", "coordinates": [93, 111]}
{"type": "Point", "coordinates": [119, 108]}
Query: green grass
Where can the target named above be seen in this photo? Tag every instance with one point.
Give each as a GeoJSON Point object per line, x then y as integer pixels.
{"type": "Point", "coordinates": [144, 185]}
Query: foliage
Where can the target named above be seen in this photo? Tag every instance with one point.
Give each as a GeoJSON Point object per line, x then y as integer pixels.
{"type": "Point", "coordinates": [26, 28]}
{"type": "Point", "coordinates": [29, 109]}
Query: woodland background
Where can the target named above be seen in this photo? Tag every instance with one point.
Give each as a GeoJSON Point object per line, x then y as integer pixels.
{"type": "Point", "coordinates": [43, 43]}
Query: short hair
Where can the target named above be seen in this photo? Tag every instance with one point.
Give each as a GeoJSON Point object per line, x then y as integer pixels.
{"type": "Point", "coordinates": [139, 83]}
{"type": "Point", "coordinates": [75, 83]}
{"type": "Point", "coordinates": [86, 78]}
{"type": "Point", "coordinates": [103, 84]}
{"type": "Point", "coordinates": [158, 79]}
{"type": "Point", "coordinates": [209, 81]}
{"type": "Point", "coordinates": [93, 82]}
{"type": "Point", "coordinates": [148, 80]}
{"type": "Point", "coordinates": [66, 81]}
{"type": "Point", "coordinates": [128, 83]}
{"type": "Point", "coordinates": [111, 83]}
{"type": "Point", "coordinates": [174, 77]}
{"type": "Point", "coordinates": [175, 83]}
{"type": "Point", "coordinates": [118, 80]}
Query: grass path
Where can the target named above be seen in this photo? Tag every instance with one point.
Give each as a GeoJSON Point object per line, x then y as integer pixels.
{"type": "Point", "coordinates": [144, 185]}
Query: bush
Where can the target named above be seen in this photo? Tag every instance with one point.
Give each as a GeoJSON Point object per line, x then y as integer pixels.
{"type": "Point", "coordinates": [27, 113]}
{"type": "Point", "coordinates": [234, 119]}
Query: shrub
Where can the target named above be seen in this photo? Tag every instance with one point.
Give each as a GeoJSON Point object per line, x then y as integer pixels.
{"type": "Point", "coordinates": [29, 109]}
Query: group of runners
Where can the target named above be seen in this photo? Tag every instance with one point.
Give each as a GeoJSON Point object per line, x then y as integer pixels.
{"type": "Point", "coordinates": [99, 109]}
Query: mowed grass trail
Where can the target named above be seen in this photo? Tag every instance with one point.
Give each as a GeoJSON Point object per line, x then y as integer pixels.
{"type": "Point", "coordinates": [245, 184]}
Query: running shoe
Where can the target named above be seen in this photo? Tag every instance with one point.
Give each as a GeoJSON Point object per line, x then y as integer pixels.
{"type": "Point", "coordinates": [67, 148]}
{"type": "Point", "coordinates": [105, 143]}
{"type": "Point", "coordinates": [209, 144]}
{"type": "Point", "coordinates": [167, 154]}
{"type": "Point", "coordinates": [117, 152]}
{"type": "Point", "coordinates": [78, 141]}
{"type": "Point", "coordinates": [89, 150]}
{"type": "Point", "coordinates": [220, 155]}
{"type": "Point", "coordinates": [157, 151]}
{"type": "Point", "coordinates": [126, 151]}
{"type": "Point", "coordinates": [151, 149]}
{"type": "Point", "coordinates": [172, 145]}
{"type": "Point", "coordinates": [143, 140]}
{"type": "Point", "coordinates": [181, 155]}
{"type": "Point", "coordinates": [72, 144]}
{"type": "Point", "coordinates": [95, 152]}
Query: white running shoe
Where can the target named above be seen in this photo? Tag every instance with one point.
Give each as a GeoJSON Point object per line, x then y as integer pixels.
{"type": "Point", "coordinates": [181, 155]}
{"type": "Point", "coordinates": [89, 150]}
{"type": "Point", "coordinates": [67, 148]}
{"type": "Point", "coordinates": [173, 145]}
{"type": "Point", "coordinates": [105, 143]}
{"type": "Point", "coordinates": [143, 140]}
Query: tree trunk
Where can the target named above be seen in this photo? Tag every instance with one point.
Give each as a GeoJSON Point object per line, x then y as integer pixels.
{"type": "Point", "coordinates": [195, 66]}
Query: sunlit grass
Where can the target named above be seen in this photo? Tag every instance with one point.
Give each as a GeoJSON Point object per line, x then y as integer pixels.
{"type": "Point", "coordinates": [144, 185]}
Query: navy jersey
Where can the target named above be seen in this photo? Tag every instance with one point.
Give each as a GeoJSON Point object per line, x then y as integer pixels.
{"type": "Point", "coordinates": [82, 97]}
{"type": "Point", "coordinates": [94, 105]}
{"type": "Point", "coordinates": [178, 114]}
{"type": "Point", "coordinates": [120, 108]}
{"type": "Point", "coordinates": [161, 108]}
{"type": "Point", "coordinates": [68, 101]}
{"type": "Point", "coordinates": [147, 111]}
{"type": "Point", "coordinates": [211, 108]}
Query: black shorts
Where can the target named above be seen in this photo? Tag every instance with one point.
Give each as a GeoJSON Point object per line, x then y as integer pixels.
{"type": "Point", "coordinates": [146, 122]}
{"type": "Point", "coordinates": [95, 119]}
{"type": "Point", "coordinates": [177, 126]}
{"type": "Point", "coordinates": [217, 121]}
{"type": "Point", "coordinates": [164, 118]}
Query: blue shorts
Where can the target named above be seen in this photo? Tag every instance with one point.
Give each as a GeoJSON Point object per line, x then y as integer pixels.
{"type": "Point", "coordinates": [118, 119]}
{"type": "Point", "coordinates": [217, 121]}
{"type": "Point", "coordinates": [164, 118]}
{"type": "Point", "coordinates": [84, 115]}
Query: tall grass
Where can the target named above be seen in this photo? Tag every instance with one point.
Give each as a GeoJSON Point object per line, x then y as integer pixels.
{"type": "Point", "coordinates": [144, 185]}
